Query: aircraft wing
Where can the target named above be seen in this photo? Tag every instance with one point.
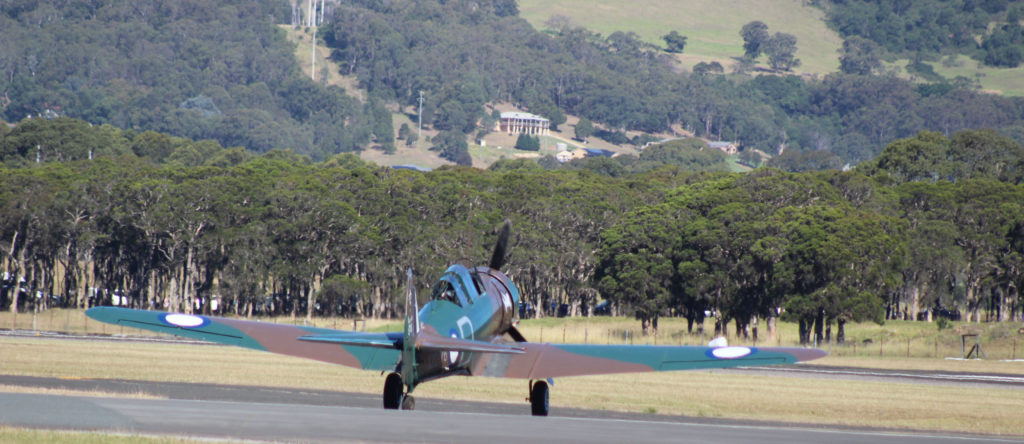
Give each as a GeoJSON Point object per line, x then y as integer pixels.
{"type": "Point", "coordinates": [542, 361]}
{"type": "Point", "coordinates": [371, 351]}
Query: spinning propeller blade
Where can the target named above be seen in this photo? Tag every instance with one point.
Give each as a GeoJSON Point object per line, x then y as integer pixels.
{"type": "Point", "coordinates": [498, 258]}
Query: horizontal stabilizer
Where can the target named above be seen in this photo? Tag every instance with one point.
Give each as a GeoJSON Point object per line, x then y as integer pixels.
{"type": "Point", "coordinates": [427, 341]}
{"type": "Point", "coordinates": [378, 340]}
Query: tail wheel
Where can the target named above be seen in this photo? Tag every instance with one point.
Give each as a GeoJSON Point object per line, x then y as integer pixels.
{"type": "Point", "coordinates": [393, 388]}
{"type": "Point", "coordinates": [539, 398]}
{"type": "Point", "coordinates": [408, 403]}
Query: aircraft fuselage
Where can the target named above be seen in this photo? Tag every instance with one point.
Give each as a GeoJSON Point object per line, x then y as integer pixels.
{"type": "Point", "coordinates": [466, 303]}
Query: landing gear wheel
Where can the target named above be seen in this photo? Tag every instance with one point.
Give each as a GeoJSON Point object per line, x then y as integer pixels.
{"type": "Point", "coordinates": [393, 388]}
{"type": "Point", "coordinates": [539, 398]}
{"type": "Point", "coordinates": [408, 403]}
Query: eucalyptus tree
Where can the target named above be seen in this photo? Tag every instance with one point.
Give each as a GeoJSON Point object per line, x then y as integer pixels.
{"type": "Point", "coordinates": [986, 213]}
{"type": "Point", "coordinates": [635, 265]}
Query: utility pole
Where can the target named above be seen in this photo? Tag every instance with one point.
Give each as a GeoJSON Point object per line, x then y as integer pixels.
{"type": "Point", "coordinates": [312, 68]}
{"type": "Point", "coordinates": [419, 120]}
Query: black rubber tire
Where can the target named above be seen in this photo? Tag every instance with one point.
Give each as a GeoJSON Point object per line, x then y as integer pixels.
{"type": "Point", "coordinates": [539, 399]}
{"type": "Point", "coordinates": [393, 389]}
{"type": "Point", "coordinates": [408, 403]}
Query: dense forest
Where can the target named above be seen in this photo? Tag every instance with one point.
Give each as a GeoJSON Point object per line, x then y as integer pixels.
{"type": "Point", "coordinates": [202, 70]}
{"type": "Point", "coordinates": [933, 227]}
{"type": "Point", "coordinates": [224, 71]}
{"type": "Point", "coordinates": [987, 30]}
{"type": "Point", "coordinates": [463, 57]}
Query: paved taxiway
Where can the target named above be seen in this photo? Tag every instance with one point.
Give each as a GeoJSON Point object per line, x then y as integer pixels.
{"type": "Point", "coordinates": [253, 413]}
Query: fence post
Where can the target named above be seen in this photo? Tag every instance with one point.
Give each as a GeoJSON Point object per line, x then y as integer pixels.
{"type": "Point", "coordinates": [881, 347]}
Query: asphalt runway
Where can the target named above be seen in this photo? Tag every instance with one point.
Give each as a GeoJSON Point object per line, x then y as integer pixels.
{"type": "Point", "coordinates": [209, 411]}
{"type": "Point", "coordinates": [311, 423]}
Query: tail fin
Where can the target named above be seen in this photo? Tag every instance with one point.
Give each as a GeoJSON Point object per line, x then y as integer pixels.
{"type": "Point", "coordinates": [412, 329]}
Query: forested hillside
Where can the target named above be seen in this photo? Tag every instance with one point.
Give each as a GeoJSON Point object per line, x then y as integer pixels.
{"type": "Point", "coordinates": [934, 227]}
{"type": "Point", "coordinates": [987, 30]}
{"type": "Point", "coordinates": [203, 70]}
{"type": "Point", "coordinates": [223, 71]}
{"type": "Point", "coordinates": [463, 57]}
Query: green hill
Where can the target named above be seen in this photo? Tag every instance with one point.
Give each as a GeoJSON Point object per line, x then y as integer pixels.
{"type": "Point", "coordinates": [712, 31]}
{"type": "Point", "coordinates": [711, 26]}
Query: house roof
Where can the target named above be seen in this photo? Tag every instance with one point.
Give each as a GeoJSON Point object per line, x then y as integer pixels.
{"type": "Point", "coordinates": [522, 116]}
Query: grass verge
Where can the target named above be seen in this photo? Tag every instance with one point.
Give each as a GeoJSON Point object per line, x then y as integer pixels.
{"type": "Point", "coordinates": [32, 436]}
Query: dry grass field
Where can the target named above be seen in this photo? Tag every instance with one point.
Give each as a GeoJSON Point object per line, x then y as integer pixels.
{"type": "Point", "coordinates": [694, 393]}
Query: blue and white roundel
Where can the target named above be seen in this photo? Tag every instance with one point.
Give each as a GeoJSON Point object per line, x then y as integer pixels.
{"type": "Point", "coordinates": [184, 320]}
{"type": "Point", "coordinates": [453, 356]}
{"type": "Point", "coordinates": [730, 352]}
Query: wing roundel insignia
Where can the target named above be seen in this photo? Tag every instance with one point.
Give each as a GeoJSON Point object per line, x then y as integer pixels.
{"type": "Point", "coordinates": [730, 352]}
{"type": "Point", "coordinates": [184, 320]}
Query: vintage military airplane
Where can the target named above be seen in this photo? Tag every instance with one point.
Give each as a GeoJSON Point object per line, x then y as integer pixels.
{"type": "Point", "coordinates": [462, 330]}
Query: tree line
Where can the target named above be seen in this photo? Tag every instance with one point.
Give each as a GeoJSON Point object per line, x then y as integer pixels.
{"type": "Point", "coordinates": [933, 227]}
{"type": "Point", "coordinates": [461, 55]}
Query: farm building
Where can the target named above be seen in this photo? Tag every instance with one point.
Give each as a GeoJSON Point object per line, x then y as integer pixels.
{"type": "Point", "coordinates": [726, 147]}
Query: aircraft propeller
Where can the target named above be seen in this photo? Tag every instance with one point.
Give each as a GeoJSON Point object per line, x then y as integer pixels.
{"type": "Point", "coordinates": [500, 248]}
{"type": "Point", "coordinates": [498, 261]}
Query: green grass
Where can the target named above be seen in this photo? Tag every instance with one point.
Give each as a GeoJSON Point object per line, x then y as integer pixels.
{"type": "Point", "coordinates": [1006, 81]}
{"type": "Point", "coordinates": [711, 26]}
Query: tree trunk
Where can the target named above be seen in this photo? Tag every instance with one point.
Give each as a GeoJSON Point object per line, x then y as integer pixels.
{"type": "Point", "coordinates": [19, 271]}
{"type": "Point", "coordinates": [819, 324]}
{"type": "Point", "coordinates": [841, 331]}
{"type": "Point", "coordinates": [186, 280]}
{"type": "Point", "coordinates": [915, 301]}
{"type": "Point", "coordinates": [310, 302]}
{"type": "Point", "coordinates": [754, 320]}
{"type": "Point", "coordinates": [803, 331]}
{"type": "Point", "coordinates": [1004, 306]}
